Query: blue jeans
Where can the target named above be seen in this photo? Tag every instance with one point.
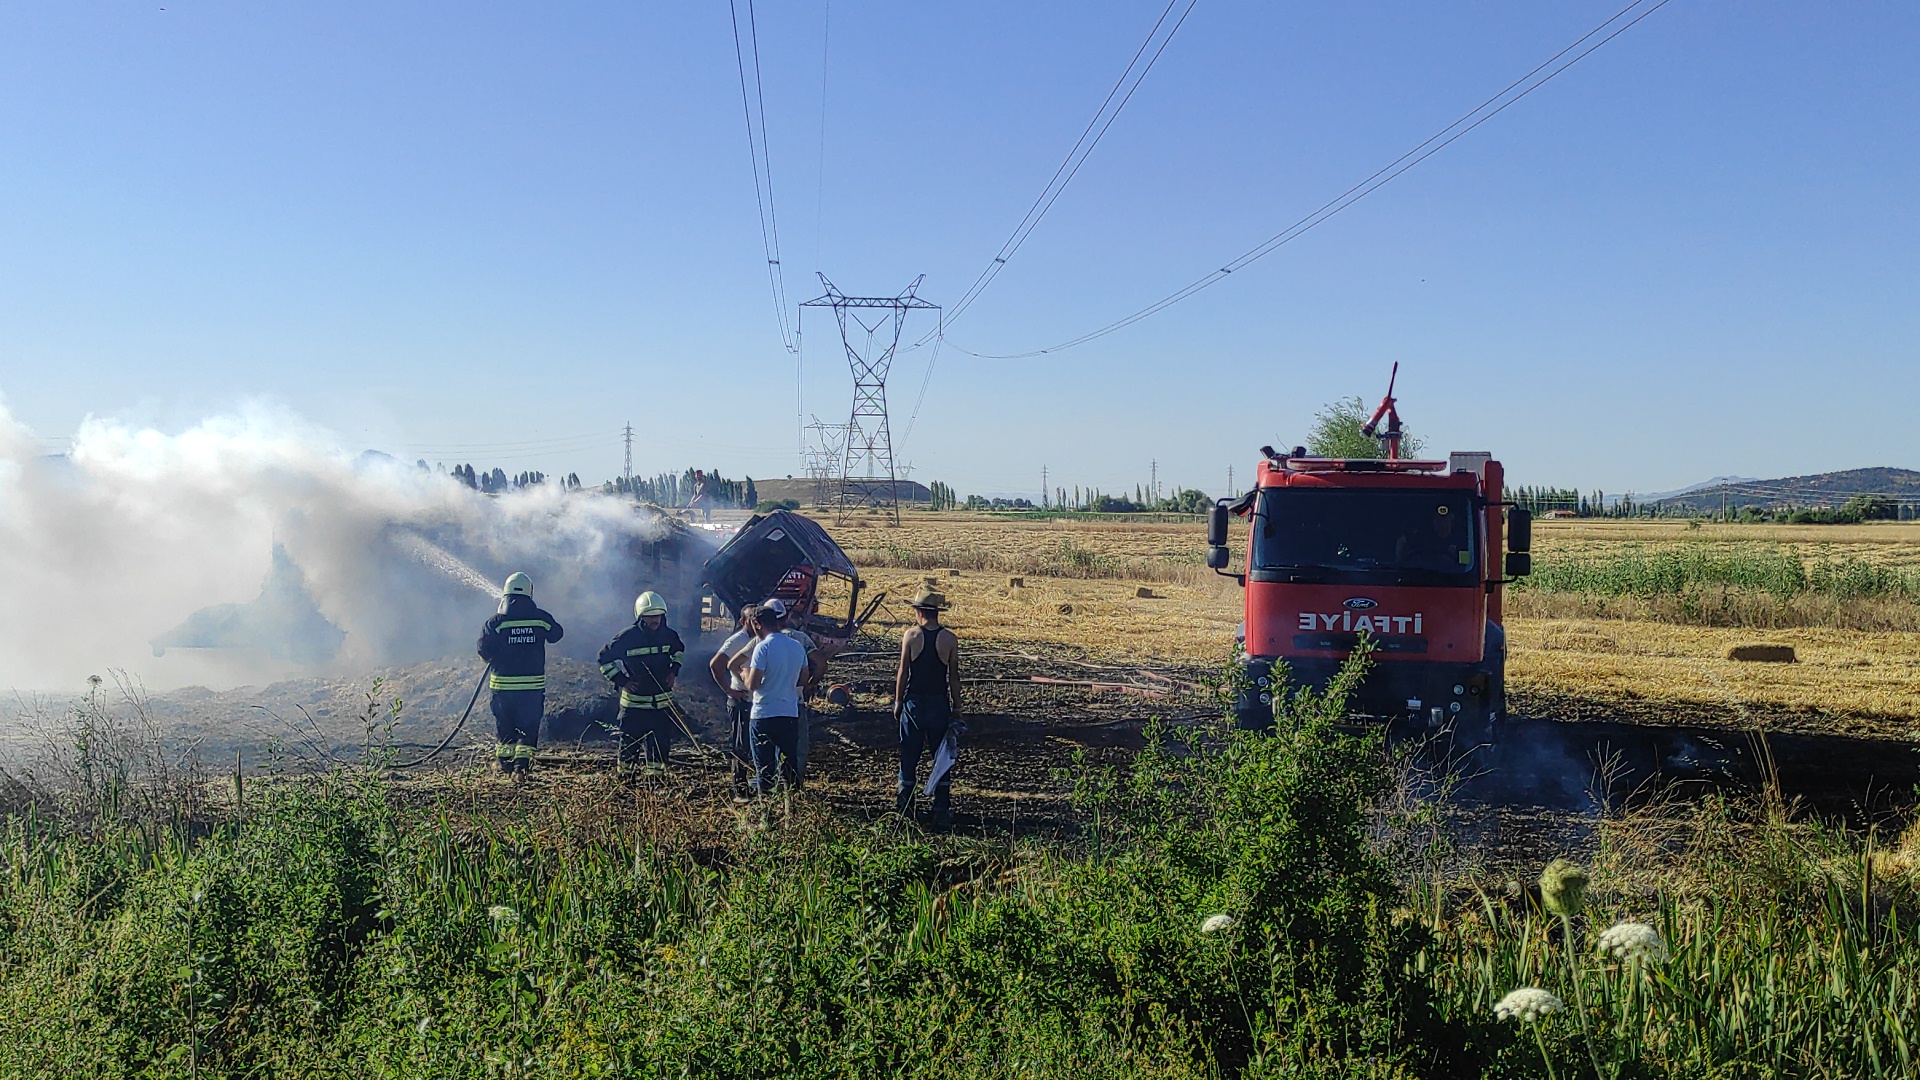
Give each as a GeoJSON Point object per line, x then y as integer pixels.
{"type": "Point", "coordinates": [740, 730]}
{"type": "Point", "coordinates": [775, 735]}
{"type": "Point", "coordinates": [923, 726]}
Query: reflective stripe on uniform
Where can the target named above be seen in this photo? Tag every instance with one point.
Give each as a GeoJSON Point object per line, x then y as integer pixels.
{"type": "Point", "coordinates": [516, 682]}
{"type": "Point", "coordinates": [631, 700]}
{"type": "Point", "coordinates": [613, 669]}
{"type": "Point", "coordinates": [523, 752]}
{"type": "Point", "coordinates": [511, 623]}
{"type": "Point", "coordinates": [504, 751]}
{"type": "Point", "coordinates": [648, 650]}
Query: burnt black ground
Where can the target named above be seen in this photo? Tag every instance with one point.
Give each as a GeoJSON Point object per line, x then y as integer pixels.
{"type": "Point", "coordinates": [1036, 715]}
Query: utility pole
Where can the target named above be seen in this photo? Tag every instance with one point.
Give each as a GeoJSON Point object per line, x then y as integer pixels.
{"type": "Point", "coordinates": [1154, 472]}
{"type": "Point", "coordinates": [1045, 491]}
{"type": "Point", "coordinates": [1230, 492]}
{"type": "Point", "coordinates": [629, 469]}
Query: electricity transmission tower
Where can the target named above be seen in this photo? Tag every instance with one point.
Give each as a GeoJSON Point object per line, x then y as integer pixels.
{"type": "Point", "coordinates": [870, 332]}
{"type": "Point", "coordinates": [825, 453]}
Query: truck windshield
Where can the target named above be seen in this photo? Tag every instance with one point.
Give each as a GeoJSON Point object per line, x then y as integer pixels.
{"type": "Point", "coordinates": [1374, 535]}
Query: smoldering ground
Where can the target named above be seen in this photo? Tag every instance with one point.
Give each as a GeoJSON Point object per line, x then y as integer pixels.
{"type": "Point", "coordinates": [255, 546]}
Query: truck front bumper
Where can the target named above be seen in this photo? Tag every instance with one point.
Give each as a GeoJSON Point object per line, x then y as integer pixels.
{"type": "Point", "coordinates": [1461, 693]}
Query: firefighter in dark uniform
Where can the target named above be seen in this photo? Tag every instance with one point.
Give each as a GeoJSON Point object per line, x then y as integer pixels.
{"type": "Point", "coordinates": [643, 662]}
{"type": "Point", "coordinates": [515, 643]}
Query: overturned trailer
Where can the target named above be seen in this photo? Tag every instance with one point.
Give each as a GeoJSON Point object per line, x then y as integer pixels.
{"type": "Point", "coordinates": [782, 555]}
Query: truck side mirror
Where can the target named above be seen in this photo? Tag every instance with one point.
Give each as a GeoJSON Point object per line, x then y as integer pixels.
{"type": "Point", "coordinates": [1519, 563]}
{"type": "Point", "coordinates": [1519, 529]}
{"type": "Point", "coordinates": [1217, 526]}
{"type": "Point", "coordinates": [1218, 556]}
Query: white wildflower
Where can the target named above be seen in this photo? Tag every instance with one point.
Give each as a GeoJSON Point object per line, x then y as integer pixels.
{"type": "Point", "coordinates": [1634, 941]}
{"type": "Point", "coordinates": [501, 913]}
{"type": "Point", "coordinates": [1217, 923]}
{"type": "Point", "coordinates": [1527, 1003]}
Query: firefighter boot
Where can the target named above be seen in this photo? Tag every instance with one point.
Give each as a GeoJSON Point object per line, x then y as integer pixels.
{"type": "Point", "coordinates": [940, 815]}
{"type": "Point", "coordinates": [903, 802]}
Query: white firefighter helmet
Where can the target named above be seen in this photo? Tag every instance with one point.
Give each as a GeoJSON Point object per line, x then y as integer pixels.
{"type": "Point", "coordinates": [518, 584]}
{"type": "Point", "coordinates": [649, 603]}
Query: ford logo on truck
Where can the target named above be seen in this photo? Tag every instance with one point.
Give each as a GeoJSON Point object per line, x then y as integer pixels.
{"type": "Point", "coordinates": [1360, 603]}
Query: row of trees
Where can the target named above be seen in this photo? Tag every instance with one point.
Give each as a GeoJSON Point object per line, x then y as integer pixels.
{"type": "Point", "coordinates": [1852, 512]}
{"type": "Point", "coordinates": [1184, 501]}
{"type": "Point", "coordinates": [1089, 500]}
{"type": "Point", "coordinates": [941, 496]}
{"type": "Point", "coordinates": [1540, 500]}
{"type": "Point", "coordinates": [693, 488]}
{"type": "Point", "coordinates": [496, 480]}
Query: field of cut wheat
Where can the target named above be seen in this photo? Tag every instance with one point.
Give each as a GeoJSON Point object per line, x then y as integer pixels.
{"type": "Point", "coordinates": [1615, 611]}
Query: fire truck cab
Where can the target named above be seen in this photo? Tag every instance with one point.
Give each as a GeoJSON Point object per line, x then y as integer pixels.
{"type": "Point", "coordinates": [1411, 554]}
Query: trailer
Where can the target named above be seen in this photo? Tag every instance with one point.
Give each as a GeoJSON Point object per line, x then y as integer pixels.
{"type": "Point", "coordinates": [783, 555]}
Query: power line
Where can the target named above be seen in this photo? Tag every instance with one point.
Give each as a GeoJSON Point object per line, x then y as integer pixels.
{"type": "Point", "coordinates": [819, 217]}
{"type": "Point", "coordinates": [1485, 111]}
{"type": "Point", "coordinates": [1077, 156]}
{"type": "Point", "coordinates": [820, 180]}
{"type": "Point", "coordinates": [1062, 176]}
{"type": "Point", "coordinates": [762, 164]}
{"type": "Point", "coordinates": [576, 442]}
{"type": "Point", "coordinates": [925, 379]}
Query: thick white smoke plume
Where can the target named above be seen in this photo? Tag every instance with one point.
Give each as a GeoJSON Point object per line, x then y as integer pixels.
{"type": "Point", "coordinates": [254, 546]}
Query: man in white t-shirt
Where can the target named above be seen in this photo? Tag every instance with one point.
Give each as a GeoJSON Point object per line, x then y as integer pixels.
{"type": "Point", "coordinates": [791, 620]}
{"type": "Point", "coordinates": [739, 698]}
{"type": "Point", "coordinates": [774, 673]}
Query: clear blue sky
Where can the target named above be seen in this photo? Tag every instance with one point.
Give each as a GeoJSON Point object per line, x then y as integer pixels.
{"type": "Point", "coordinates": [425, 225]}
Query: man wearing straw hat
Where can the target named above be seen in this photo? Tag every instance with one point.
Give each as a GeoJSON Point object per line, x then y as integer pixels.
{"type": "Point", "coordinates": [926, 698]}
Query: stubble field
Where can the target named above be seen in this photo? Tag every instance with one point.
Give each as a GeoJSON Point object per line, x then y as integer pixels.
{"type": "Point", "coordinates": [1638, 614]}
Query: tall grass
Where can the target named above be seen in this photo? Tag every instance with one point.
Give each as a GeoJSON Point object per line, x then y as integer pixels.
{"type": "Point", "coordinates": [325, 929]}
{"type": "Point", "coordinates": [1723, 585]}
{"type": "Point", "coordinates": [1673, 570]}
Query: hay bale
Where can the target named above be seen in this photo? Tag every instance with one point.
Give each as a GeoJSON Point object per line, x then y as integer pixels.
{"type": "Point", "coordinates": [1065, 609]}
{"type": "Point", "coordinates": [1762, 654]}
{"type": "Point", "coordinates": [930, 582]}
{"type": "Point", "coordinates": [1016, 583]}
{"type": "Point", "coordinates": [1144, 593]}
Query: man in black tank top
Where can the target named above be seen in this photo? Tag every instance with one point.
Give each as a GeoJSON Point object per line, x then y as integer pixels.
{"type": "Point", "coordinates": [926, 698]}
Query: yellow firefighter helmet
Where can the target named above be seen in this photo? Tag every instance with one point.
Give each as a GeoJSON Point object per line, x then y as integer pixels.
{"type": "Point", "coordinates": [518, 584]}
{"type": "Point", "coordinates": [649, 603]}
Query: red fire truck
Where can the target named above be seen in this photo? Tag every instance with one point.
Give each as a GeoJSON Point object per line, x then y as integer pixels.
{"type": "Point", "coordinates": [1412, 554]}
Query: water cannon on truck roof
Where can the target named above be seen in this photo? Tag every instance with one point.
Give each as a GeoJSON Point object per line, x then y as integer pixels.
{"type": "Point", "coordinates": [1411, 554]}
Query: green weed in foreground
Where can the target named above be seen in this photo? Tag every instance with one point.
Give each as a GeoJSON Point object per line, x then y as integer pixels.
{"type": "Point", "coordinates": [1225, 915]}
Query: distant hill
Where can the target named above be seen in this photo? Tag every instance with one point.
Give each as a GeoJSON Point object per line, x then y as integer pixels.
{"type": "Point", "coordinates": [1718, 481]}
{"type": "Point", "coordinates": [1820, 490]}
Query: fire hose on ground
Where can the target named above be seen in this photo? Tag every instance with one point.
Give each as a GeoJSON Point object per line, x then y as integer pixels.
{"type": "Point", "coordinates": [448, 741]}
